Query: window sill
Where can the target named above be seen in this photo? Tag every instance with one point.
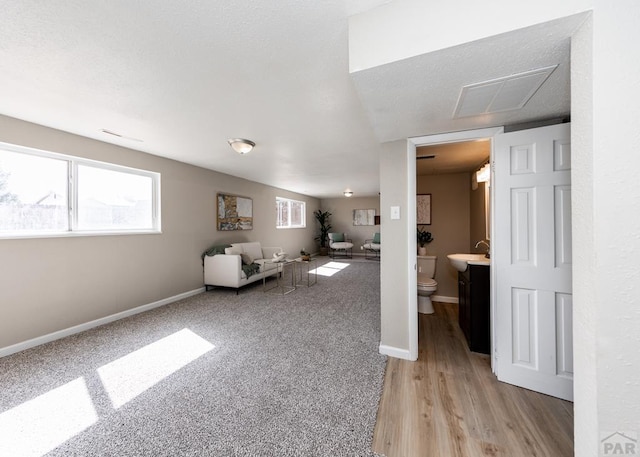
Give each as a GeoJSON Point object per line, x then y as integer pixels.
{"type": "Point", "coordinates": [76, 233]}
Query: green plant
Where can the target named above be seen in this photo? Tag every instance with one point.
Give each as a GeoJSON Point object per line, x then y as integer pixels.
{"type": "Point", "coordinates": [423, 237]}
{"type": "Point", "coordinates": [323, 218]}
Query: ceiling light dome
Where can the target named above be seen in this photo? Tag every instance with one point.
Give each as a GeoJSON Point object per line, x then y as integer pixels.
{"type": "Point", "coordinates": [241, 145]}
{"type": "Point", "coordinates": [348, 193]}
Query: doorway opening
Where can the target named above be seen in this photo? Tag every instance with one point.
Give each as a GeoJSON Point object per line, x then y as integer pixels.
{"type": "Point", "coordinates": [429, 145]}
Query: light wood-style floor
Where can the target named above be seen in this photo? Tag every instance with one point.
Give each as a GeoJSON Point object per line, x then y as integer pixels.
{"type": "Point", "coordinates": [448, 403]}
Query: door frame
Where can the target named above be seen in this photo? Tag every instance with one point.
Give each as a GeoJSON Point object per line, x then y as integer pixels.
{"type": "Point", "coordinates": [412, 144]}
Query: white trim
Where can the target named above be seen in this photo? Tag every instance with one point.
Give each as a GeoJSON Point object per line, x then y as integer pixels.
{"type": "Point", "coordinates": [493, 274]}
{"type": "Point", "coordinates": [95, 323]}
{"type": "Point", "coordinates": [76, 233]}
{"type": "Point", "coordinates": [444, 299]}
{"type": "Point", "coordinates": [396, 352]}
{"type": "Point", "coordinates": [456, 137]}
{"type": "Point", "coordinates": [73, 162]}
{"type": "Point", "coordinates": [412, 246]}
{"type": "Point", "coordinates": [71, 158]}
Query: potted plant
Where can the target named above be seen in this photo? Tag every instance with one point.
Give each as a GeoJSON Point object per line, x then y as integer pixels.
{"type": "Point", "coordinates": [423, 238]}
{"type": "Point", "coordinates": [325, 226]}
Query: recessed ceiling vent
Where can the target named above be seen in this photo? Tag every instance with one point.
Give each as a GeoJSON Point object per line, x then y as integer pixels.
{"type": "Point", "coordinates": [124, 137]}
{"type": "Point", "coordinates": [502, 94]}
{"type": "Point", "coordinates": [426, 157]}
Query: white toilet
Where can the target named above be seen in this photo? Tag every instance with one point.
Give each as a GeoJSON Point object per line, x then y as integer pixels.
{"type": "Point", "coordinates": [426, 284]}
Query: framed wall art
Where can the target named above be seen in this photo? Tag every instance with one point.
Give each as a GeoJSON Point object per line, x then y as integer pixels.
{"type": "Point", "coordinates": [364, 216]}
{"type": "Point", "coordinates": [423, 203]}
{"type": "Point", "coordinates": [234, 213]}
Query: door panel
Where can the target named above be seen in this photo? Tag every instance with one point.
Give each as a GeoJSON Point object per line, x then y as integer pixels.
{"type": "Point", "coordinates": [533, 257]}
{"type": "Point", "coordinates": [522, 226]}
{"type": "Point", "coordinates": [563, 226]}
{"type": "Point", "coordinates": [564, 336]}
{"type": "Point", "coordinates": [523, 310]}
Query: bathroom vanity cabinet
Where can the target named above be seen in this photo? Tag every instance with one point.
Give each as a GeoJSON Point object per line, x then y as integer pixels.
{"type": "Point", "coordinates": [474, 307]}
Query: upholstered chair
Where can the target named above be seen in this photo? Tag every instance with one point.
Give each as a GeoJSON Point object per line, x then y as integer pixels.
{"type": "Point", "coordinates": [340, 245]}
{"type": "Point", "coordinates": [371, 247]}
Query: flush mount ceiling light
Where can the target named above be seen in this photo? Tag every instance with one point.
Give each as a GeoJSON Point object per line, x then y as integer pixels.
{"type": "Point", "coordinates": [484, 173]}
{"type": "Point", "coordinates": [348, 193]}
{"type": "Point", "coordinates": [241, 146]}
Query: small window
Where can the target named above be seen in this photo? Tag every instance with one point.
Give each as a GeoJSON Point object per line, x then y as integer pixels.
{"type": "Point", "coordinates": [290, 213]}
{"type": "Point", "coordinates": [47, 194]}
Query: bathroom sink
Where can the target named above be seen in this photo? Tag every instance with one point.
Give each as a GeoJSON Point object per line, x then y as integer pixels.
{"type": "Point", "coordinates": [461, 261]}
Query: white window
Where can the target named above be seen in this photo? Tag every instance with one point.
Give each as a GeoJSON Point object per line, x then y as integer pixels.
{"type": "Point", "coordinates": [114, 199]}
{"type": "Point", "coordinates": [33, 193]}
{"type": "Point", "coordinates": [290, 213]}
{"type": "Point", "coordinates": [48, 194]}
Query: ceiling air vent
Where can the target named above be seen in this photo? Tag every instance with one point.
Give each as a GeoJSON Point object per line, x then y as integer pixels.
{"type": "Point", "coordinates": [502, 94]}
{"type": "Point", "coordinates": [124, 137]}
{"type": "Point", "coordinates": [426, 157]}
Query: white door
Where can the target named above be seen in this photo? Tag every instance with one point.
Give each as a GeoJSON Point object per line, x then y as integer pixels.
{"type": "Point", "coordinates": [532, 255]}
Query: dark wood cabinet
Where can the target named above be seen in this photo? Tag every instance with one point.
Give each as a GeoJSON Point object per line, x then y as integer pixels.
{"type": "Point", "coordinates": [474, 307]}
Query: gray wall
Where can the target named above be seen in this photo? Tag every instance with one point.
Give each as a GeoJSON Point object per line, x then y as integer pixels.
{"type": "Point", "coordinates": [51, 284]}
{"type": "Point", "coordinates": [394, 294]}
{"type": "Point", "coordinates": [342, 218]}
{"type": "Point", "coordinates": [450, 222]}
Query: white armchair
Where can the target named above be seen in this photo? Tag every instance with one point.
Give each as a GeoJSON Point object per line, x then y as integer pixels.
{"type": "Point", "coordinates": [372, 247]}
{"type": "Point", "coordinates": [340, 244]}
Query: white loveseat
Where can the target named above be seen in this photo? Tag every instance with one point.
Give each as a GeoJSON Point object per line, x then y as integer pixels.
{"type": "Point", "coordinates": [225, 270]}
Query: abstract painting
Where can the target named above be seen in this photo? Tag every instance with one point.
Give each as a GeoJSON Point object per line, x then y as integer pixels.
{"type": "Point", "coordinates": [234, 213]}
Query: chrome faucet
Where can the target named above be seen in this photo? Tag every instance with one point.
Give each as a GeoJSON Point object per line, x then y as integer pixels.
{"type": "Point", "coordinates": [486, 243]}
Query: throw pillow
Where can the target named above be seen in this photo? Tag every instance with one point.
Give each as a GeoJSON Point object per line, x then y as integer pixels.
{"type": "Point", "coordinates": [253, 248]}
{"type": "Point", "coordinates": [337, 237]}
{"type": "Point", "coordinates": [376, 238]}
{"type": "Point", "coordinates": [246, 259]}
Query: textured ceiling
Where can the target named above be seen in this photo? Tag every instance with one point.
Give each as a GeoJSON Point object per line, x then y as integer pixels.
{"type": "Point", "coordinates": [185, 77]}
{"type": "Point", "coordinates": [418, 96]}
{"type": "Point", "coordinates": [452, 157]}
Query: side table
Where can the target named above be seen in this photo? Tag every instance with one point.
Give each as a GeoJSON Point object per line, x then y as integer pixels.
{"type": "Point", "coordinates": [282, 286]}
{"type": "Point", "coordinates": [308, 267]}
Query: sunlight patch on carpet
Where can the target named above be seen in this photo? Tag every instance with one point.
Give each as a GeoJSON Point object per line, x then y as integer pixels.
{"type": "Point", "coordinates": [331, 268]}
{"type": "Point", "coordinates": [129, 376]}
{"type": "Point", "coordinates": [43, 423]}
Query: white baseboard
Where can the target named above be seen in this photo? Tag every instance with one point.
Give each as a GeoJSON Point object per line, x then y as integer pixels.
{"type": "Point", "coordinates": [395, 352]}
{"type": "Point", "coordinates": [95, 323]}
{"type": "Point", "coordinates": [444, 299]}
